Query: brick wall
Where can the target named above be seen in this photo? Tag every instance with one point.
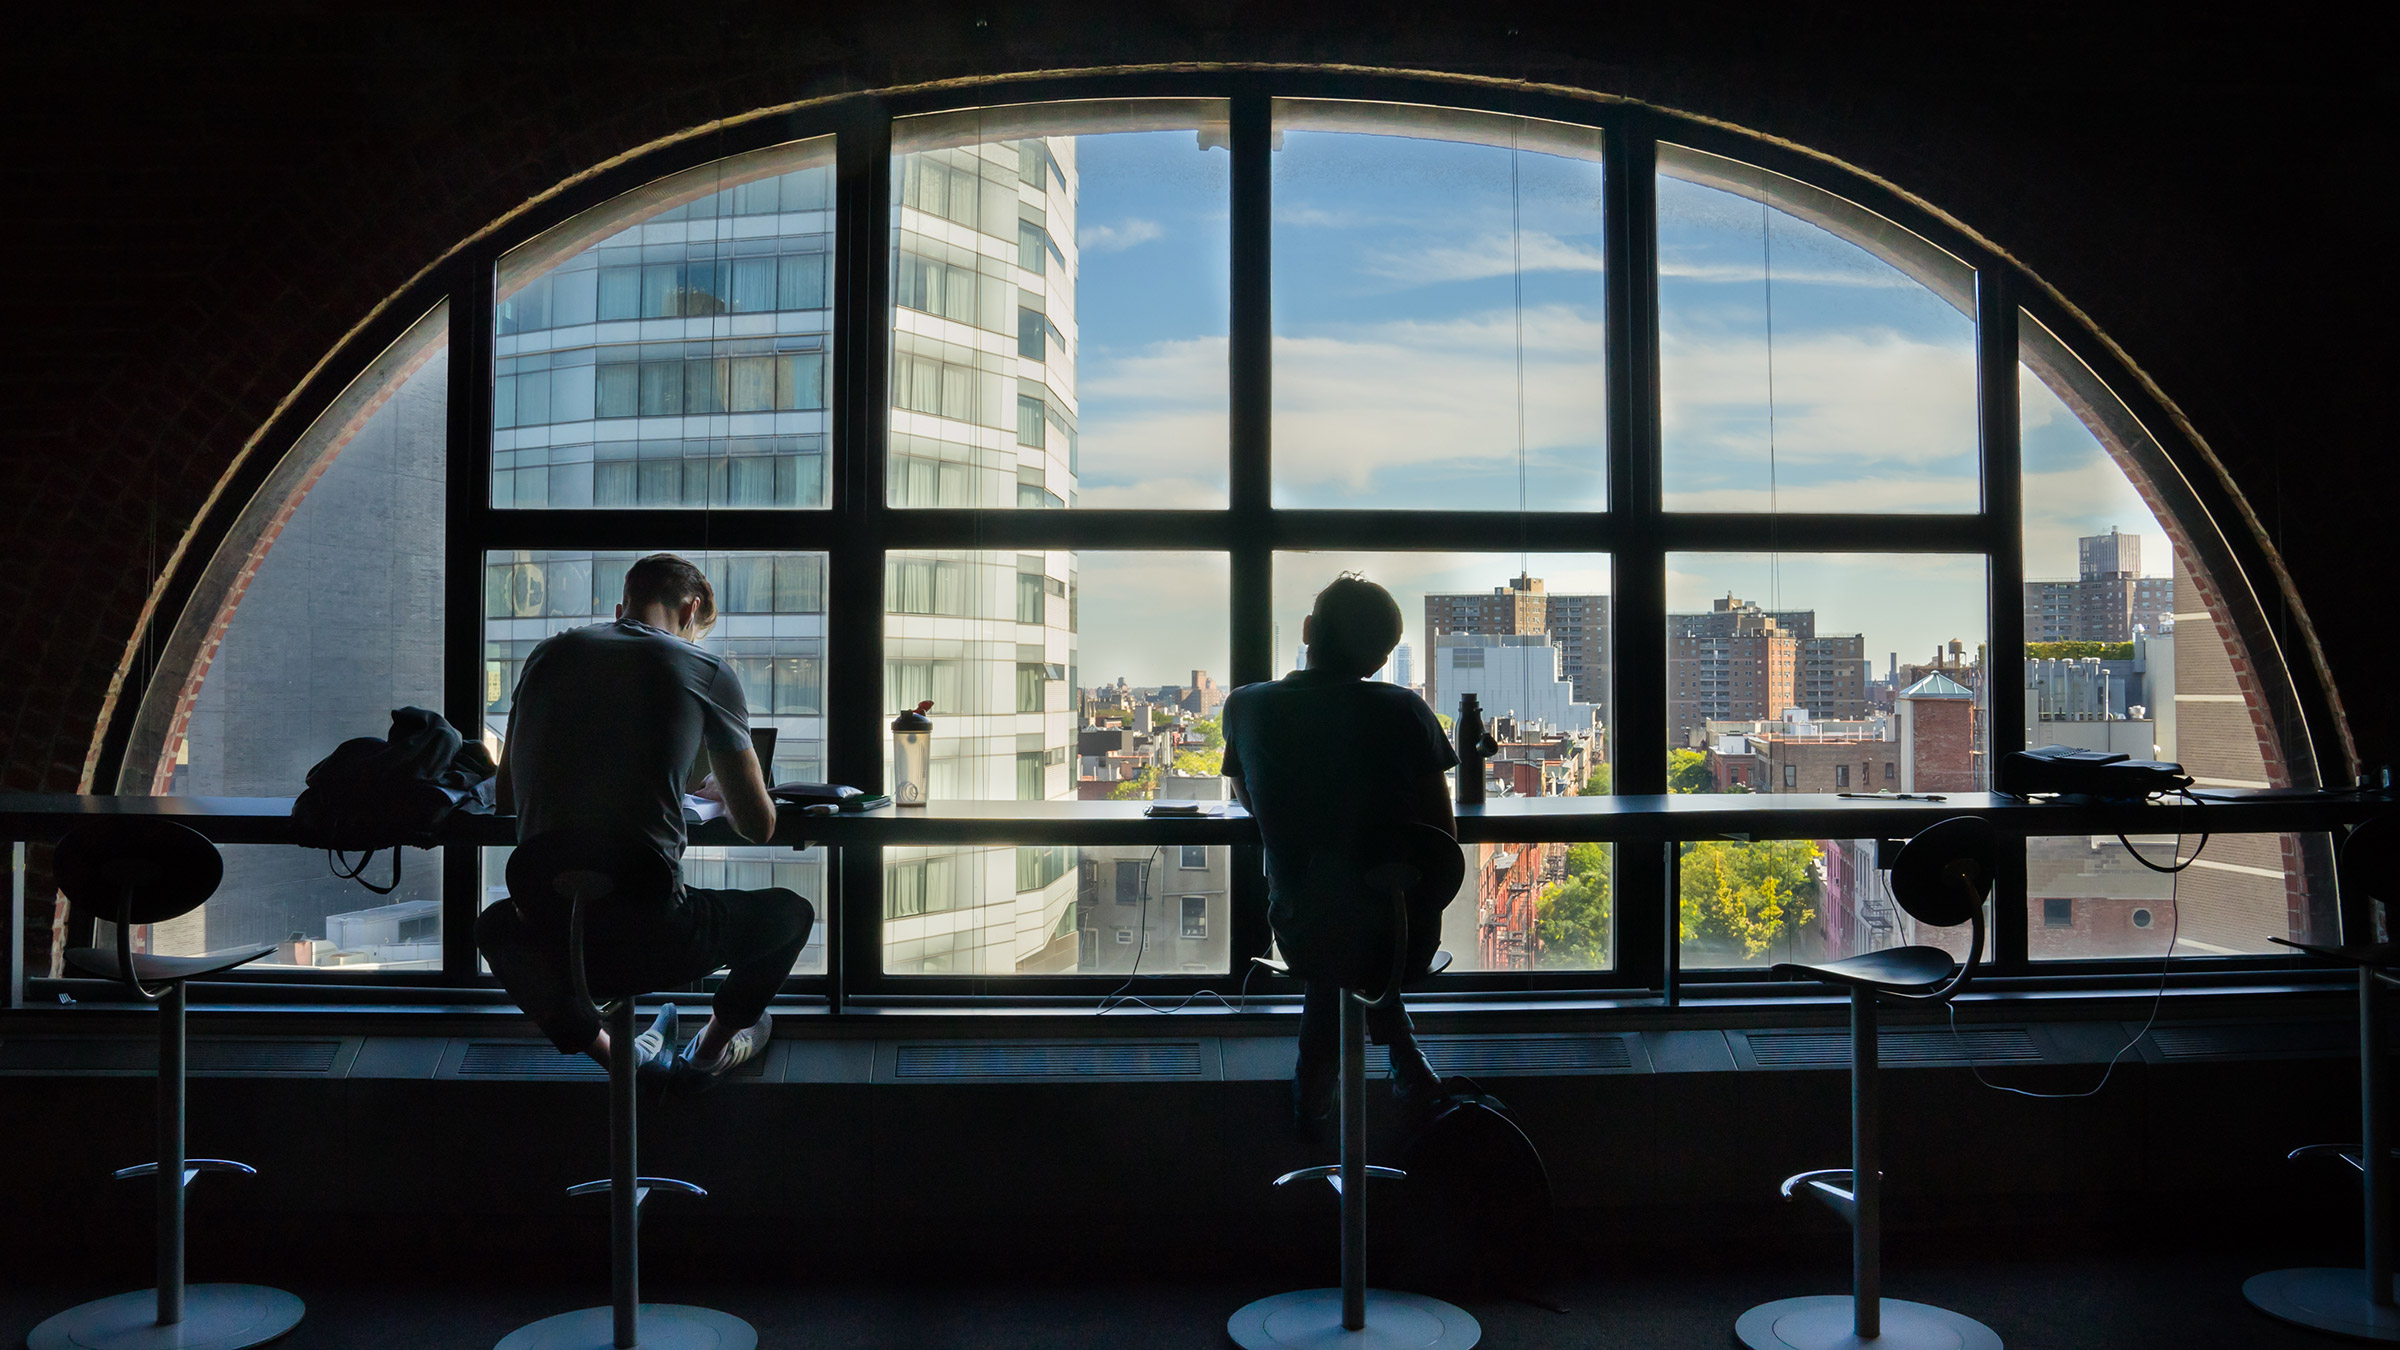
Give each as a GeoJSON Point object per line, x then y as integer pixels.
{"type": "Point", "coordinates": [207, 199]}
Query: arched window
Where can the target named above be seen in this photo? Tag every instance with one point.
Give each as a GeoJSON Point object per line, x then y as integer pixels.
{"type": "Point", "coordinates": [1705, 466]}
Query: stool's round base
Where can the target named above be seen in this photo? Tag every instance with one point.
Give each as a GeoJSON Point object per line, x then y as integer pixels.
{"type": "Point", "coordinates": [1830, 1322]}
{"type": "Point", "coordinates": [215, 1317]}
{"type": "Point", "coordinates": [2327, 1300]}
{"type": "Point", "coordinates": [663, 1326]}
{"type": "Point", "coordinates": [1312, 1320]}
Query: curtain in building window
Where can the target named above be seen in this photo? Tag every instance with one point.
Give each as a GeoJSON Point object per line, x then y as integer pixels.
{"type": "Point", "coordinates": [753, 387]}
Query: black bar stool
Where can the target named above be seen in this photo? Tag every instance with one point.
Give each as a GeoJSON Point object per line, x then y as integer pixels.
{"type": "Point", "coordinates": [1941, 878]}
{"type": "Point", "coordinates": [141, 870]}
{"type": "Point", "coordinates": [2359, 1302]}
{"type": "Point", "coordinates": [1355, 1317]}
{"type": "Point", "coordinates": [555, 879]}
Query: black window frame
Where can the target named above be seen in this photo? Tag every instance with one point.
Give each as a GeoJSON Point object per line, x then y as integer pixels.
{"type": "Point", "coordinates": [860, 525]}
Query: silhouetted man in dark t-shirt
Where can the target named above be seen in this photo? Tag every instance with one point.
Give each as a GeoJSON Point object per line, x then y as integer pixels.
{"type": "Point", "coordinates": [1330, 762]}
{"type": "Point", "coordinates": [606, 722]}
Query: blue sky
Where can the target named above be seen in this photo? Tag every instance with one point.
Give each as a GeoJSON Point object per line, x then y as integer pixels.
{"type": "Point", "coordinates": [1409, 271]}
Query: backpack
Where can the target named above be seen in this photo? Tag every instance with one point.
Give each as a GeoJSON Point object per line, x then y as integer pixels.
{"type": "Point", "coordinates": [1473, 1219]}
{"type": "Point", "coordinates": [372, 794]}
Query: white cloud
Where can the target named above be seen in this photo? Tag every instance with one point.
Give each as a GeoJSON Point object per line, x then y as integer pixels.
{"type": "Point", "coordinates": [1854, 398]}
{"type": "Point", "coordinates": [1884, 278]}
{"type": "Point", "coordinates": [1093, 237]}
{"type": "Point", "coordinates": [1317, 217]}
{"type": "Point", "coordinates": [1489, 255]}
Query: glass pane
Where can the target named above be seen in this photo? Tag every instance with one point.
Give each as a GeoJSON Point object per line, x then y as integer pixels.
{"type": "Point", "coordinates": [1150, 911]}
{"type": "Point", "coordinates": [1533, 907]}
{"type": "Point", "coordinates": [2087, 897]}
{"type": "Point", "coordinates": [999, 643]}
{"type": "Point", "coordinates": [668, 348]}
{"type": "Point", "coordinates": [1813, 356]}
{"type": "Point", "coordinates": [321, 613]}
{"type": "Point", "coordinates": [1826, 673]}
{"type": "Point", "coordinates": [2130, 648]}
{"type": "Point", "coordinates": [1439, 310]}
{"type": "Point", "coordinates": [1749, 905]}
{"type": "Point", "coordinates": [771, 624]}
{"type": "Point", "coordinates": [1060, 305]}
{"type": "Point", "coordinates": [1527, 634]}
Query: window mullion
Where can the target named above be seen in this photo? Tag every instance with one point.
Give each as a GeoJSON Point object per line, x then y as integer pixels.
{"type": "Point", "coordinates": [854, 601]}
{"type": "Point", "coordinates": [2003, 513]}
{"type": "Point", "coordinates": [1646, 936]}
{"type": "Point", "coordinates": [1250, 340]}
{"type": "Point", "coordinates": [467, 487]}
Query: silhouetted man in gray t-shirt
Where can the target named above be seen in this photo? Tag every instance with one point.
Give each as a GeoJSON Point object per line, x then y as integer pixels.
{"type": "Point", "coordinates": [606, 722]}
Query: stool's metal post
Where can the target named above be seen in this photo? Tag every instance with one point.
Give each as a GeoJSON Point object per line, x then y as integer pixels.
{"type": "Point", "coordinates": [2375, 1151]}
{"type": "Point", "coordinates": [170, 1155]}
{"type": "Point", "coordinates": [1866, 1181]}
{"type": "Point", "coordinates": [624, 1194]}
{"type": "Point", "coordinates": [1354, 1159]}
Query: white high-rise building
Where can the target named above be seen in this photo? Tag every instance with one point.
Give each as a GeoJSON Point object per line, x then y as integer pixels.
{"type": "Point", "coordinates": [1510, 675]}
{"type": "Point", "coordinates": [984, 337]}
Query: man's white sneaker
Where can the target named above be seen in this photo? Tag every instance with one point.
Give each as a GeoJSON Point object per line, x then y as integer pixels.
{"type": "Point", "coordinates": [654, 1050]}
{"type": "Point", "coordinates": [745, 1045]}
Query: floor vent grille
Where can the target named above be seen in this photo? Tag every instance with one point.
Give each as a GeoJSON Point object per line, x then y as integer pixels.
{"type": "Point", "coordinates": [1526, 1054]}
{"type": "Point", "coordinates": [1826, 1049]}
{"type": "Point", "coordinates": [2255, 1038]}
{"type": "Point", "coordinates": [71, 1053]}
{"type": "Point", "coordinates": [1051, 1059]}
{"type": "Point", "coordinates": [524, 1059]}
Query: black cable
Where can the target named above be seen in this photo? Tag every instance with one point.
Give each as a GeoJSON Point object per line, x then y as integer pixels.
{"type": "Point", "coordinates": [2158, 1000]}
{"type": "Point", "coordinates": [1118, 998]}
{"type": "Point", "coordinates": [2185, 793]}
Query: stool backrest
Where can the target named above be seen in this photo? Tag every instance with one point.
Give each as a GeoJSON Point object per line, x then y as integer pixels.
{"type": "Point", "coordinates": [548, 873]}
{"type": "Point", "coordinates": [1942, 878]}
{"type": "Point", "coordinates": [137, 869]}
{"type": "Point", "coordinates": [1943, 874]}
{"type": "Point", "coordinates": [555, 879]}
{"type": "Point", "coordinates": [1416, 865]}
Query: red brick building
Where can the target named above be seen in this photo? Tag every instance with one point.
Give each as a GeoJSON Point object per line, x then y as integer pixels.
{"type": "Point", "coordinates": [1938, 751]}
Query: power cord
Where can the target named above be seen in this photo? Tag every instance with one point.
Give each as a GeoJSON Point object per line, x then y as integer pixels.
{"type": "Point", "coordinates": [1118, 998]}
{"type": "Point", "coordinates": [2158, 1000]}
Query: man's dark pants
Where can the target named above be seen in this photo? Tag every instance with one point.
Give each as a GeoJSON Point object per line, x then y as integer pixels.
{"type": "Point", "coordinates": [755, 936]}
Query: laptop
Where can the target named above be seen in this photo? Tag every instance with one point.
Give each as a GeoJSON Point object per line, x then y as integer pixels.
{"type": "Point", "coordinates": [762, 740]}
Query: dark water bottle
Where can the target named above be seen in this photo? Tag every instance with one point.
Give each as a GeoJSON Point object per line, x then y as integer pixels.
{"type": "Point", "coordinates": [1475, 745]}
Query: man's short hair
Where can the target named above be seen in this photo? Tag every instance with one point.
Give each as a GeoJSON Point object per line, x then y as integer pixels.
{"type": "Point", "coordinates": [665, 579]}
{"type": "Point", "coordinates": [1356, 623]}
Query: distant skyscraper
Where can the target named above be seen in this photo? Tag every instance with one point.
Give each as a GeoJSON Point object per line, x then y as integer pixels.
{"type": "Point", "coordinates": [1401, 672]}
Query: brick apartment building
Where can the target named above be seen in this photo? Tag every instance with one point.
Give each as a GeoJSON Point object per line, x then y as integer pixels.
{"type": "Point", "coordinates": [1578, 625]}
{"type": "Point", "coordinates": [2108, 598]}
{"type": "Point", "coordinates": [1739, 662]}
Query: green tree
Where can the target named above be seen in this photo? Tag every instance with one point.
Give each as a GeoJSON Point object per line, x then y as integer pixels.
{"type": "Point", "coordinates": [1211, 731]}
{"type": "Point", "coordinates": [1598, 784]}
{"type": "Point", "coordinates": [1571, 918]}
{"type": "Point", "coordinates": [1741, 897]}
{"type": "Point", "coordinates": [1687, 771]}
{"type": "Point", "coordinates": [1139, 788]}
{"type": "Point", "coordinates": [2068, 651]}
{"type": "Point", "coordinates": [1159, 717]}
{"type": "Point", "coordinates": [1200, 763]}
